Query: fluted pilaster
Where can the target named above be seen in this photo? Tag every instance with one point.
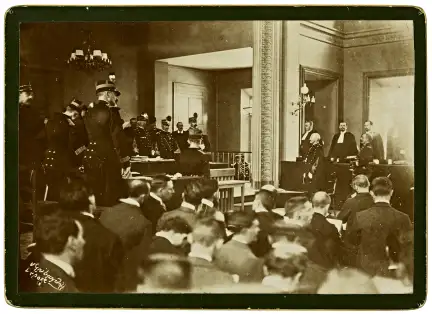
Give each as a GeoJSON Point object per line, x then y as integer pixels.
{"type": "Point", "coordinates": [267, 74]}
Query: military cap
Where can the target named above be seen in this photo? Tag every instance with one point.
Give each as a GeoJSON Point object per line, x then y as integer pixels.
{"type": "Point", "coordinates": [195, 134]}
{"type": "Point", "coordinates": [77, 104]}
{"type": "Point", "coordinates": [106, 85]}
{"type": "Point", "coordinates": [26, 88]}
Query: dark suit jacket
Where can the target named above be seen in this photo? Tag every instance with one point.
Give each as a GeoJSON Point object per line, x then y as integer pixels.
{"type": "Point", "coordinates": [372, 231]}
{"type": "Point", "coordinates": [129, 223]}
{"type": "Point", "coordinates": [181, 139]}
{"type": "Point", "coordinates": [162, 245]}
{"type": "Point", "coordinates": [206, 274]}
{"type": "Point", "coordinates": [103, 254]}
{"type": "Point", "coordinates": [354, 205]}
{"type": "Point", "coordinates": [366, 155]}
{"type": "Point", "coordinates": [153, 211]}
{"type": "Point", "coordinates": [266, 220]}
{"type": "Point", "coordinates": [61, 279]}
{"type": "Point", "coordinates": [193, 162]}
{"type": "Point", "coordinates": [377, 146]}
{"type": "Point", "coordinates": [237, 258]}
{"type": "Point", "coordinates": [347, 148]}
{"type": "Point", "coordinates": [187, 214]}
{"type": "Point", "coordinates": [326, 249]}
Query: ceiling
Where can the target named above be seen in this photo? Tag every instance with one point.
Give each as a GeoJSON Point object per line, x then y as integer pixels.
{"type": "Point", "coordinates": [395, 81]}
{"type": "Point", "coordinates": [220, 60]}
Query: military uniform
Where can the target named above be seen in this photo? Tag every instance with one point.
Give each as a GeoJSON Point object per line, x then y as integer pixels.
{"type": "Point", "coordinates": [143, 142]}
{"type": "Point", "coordinates": [32, 144]}
{"type": "Point", "coordinates": [166, 142]}
{"type": "Point", "coordinates": [104, 157]}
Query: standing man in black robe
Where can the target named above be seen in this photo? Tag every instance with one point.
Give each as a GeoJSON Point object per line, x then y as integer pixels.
{"type": "Point", "coordinates": [105, 161]}
{"type": "Point", "coordinates": [305, 143]}
{"type": "Point", "coordinates": [343, 144]}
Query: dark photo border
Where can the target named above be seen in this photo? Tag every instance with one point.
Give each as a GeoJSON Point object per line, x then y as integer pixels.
{"type": "Point", "coordinates": [17, 15]}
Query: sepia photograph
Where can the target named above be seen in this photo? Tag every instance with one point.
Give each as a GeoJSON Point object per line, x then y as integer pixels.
{"type": "Point", "coordinates": [214, 156]}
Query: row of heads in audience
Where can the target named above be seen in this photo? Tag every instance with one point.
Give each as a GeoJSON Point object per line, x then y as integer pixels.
{"type": "Point", "coordinates": [57, 233]}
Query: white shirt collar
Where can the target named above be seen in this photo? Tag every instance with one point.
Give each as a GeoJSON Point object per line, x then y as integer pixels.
{"type": "Point", "coordinates": [164, 234]}
{"type": "Point", "coordinates": [279, 211]}
{"type": "Point", "coordinates": [157, 198]}
{"type": "Point", "coordinates": [67, 268]}
{"type": "Point", "coordinates": [261, 210]}
{"type": "Point", "coordinates": [201, 255]}
{"type": "Point", "coordinates": [240, 240]}
{"type": "Point", "coordinates": [188, 205]}
{"type": "Point", "coordinates": [382, 201]}
{"type": "Point", "coordinates": [88, 214]}
{"type": "Point", "coordinates": [341, 137]}
{"type": "Point", "coordinates": [180, 132]}
{"type": "Point", "coordinates": [207, 202]}
{"type": "Point", "coordinates": [130, 201]}
{"type": "Point", "coordinates": [305, 135]}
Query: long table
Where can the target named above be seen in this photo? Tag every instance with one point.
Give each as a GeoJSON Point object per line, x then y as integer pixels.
{"type": "Point", "coordinates": [402, 177]}
{"type": "Point", "coordinates": [161, 166]}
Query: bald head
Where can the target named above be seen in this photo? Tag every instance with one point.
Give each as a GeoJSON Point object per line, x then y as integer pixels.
{"type": "Point", "coordinates": [361, 184]}
{"type": "Point", "coordinates": [321, 201]}
{"type": "Point", "coordinates": [315, 137]}
{"type": "Point", "coordinates": [138, 189]}
{"type": "Point", "coordinates": [206, 232]}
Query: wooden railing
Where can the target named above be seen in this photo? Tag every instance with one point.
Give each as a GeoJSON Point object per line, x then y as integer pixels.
{"type": "Point", "coordinates": [239, 160]}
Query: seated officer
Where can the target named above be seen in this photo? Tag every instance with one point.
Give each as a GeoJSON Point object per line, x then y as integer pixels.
{"type": "Point", "coordinates": [193, 161]}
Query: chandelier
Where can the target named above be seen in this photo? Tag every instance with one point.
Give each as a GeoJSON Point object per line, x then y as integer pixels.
{"type": "Point", "coordinates": [305, 99]}
{"type": "Point", "coordinates": [88, 59]}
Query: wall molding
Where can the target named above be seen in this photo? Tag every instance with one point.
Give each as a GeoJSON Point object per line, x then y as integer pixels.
{"type": "Point", "coordinates": [367, 76]}
{"type": "Point", "coordinates": [370, 37]}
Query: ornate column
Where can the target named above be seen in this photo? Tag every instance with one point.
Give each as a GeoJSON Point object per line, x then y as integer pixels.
{"type": "Point", "coordinates": [290, 130]}
{"type": "Point", "coordinates": [266, 84]}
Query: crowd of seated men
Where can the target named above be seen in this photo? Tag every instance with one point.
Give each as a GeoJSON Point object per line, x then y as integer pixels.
{"type": "Point", "coordinates": [138, 246]}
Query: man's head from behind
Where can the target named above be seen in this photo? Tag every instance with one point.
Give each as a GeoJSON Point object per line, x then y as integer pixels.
{"type": "Point", "coordinates": [266, 197]}
{"type": "Point", "coordinates": [244, 225]}
{"type": "Point", "coordinates": [360, 184]}
{"type": "Point", "coordinates": [163, 187]}
{"type": "Point", "coordinates": [165, 272]}
{"type": "Point", "coordinates": [294, 205]}
{"type": "Point", "coordinates": [321, 202]}
{"type": "Point", "coordinates": [176, 229]}
{"type": "Point", "coordinates": [60, 235]}
{"type": "Point", "coordinates": [138, 190]}
{"type": "Point", "coordinates": [206, 236]}
{"type": "Point", "coordinates": [76, 196]}
{"type": "Point", "coordinates": [382, 189]}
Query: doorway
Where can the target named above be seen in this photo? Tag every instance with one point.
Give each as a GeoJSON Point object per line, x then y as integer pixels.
{"type": "Point", "coordinates": [246, 120]}
{"type": "Point", "coordinates": [325, 86]}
